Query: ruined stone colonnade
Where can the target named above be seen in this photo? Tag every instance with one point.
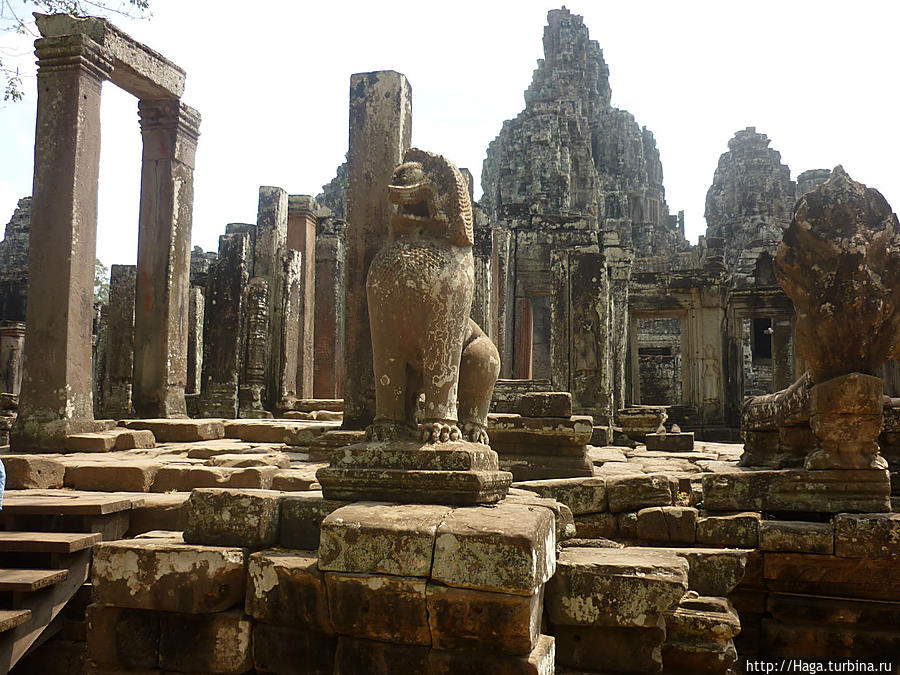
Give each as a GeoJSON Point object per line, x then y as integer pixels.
{"type": "Point", "coordinates": [75, 57]}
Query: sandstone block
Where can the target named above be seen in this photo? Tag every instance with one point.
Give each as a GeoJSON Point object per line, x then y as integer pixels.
{"type": "Point", "coordinates": [180, 430]}
{"type": "Point", "coordinates": [610, 648]}
{"type": "Point", "coordinates": [287, 588]}
{"type": "Point", "coordinates": [828, 575]}
{"type": "Point", "coordinates": [507, 548]}
{"type": "Point", "coordinates": [159, 511]}
{"type": "Point", "coordinates": [381, 538]}
{"type": "Point", "coordinates": [514, 429]}
{"type": "Point", "coordinates": [213, 643]}
{"type": "Point", "coordinates": [99, 441]}
{"type": "Point", "coordinates": [278, 460]}
{"type": "Point", "coordinates": [136, 476]}
{"type": "Point", "coordinates": [713, 571]}
{"type": "Point", "coordinates": [627, 525]}
{"type": "Point", "coordinates": [703, 618]}
{"type": "Point", "coordinates": [24, 472]}
{"type": "Point", "coordinates": [614, 587]}
{"type": "Point", "coordinates": [224, 517]}
{"type": "Point", "coordinates": [796, 536]}
{"type": "Point", "coordinates": [379, 607]}
{"type": "Point", "coordinates": [130, 439]}
{"type": "Point", "coordinates": [651, 524]}
{"type": "Point", "coordinates": [461, 618]}
{"type": "Point", "coordinates": [379, 658]}
{"type": "Point", "coordinates": [827, 641]}
{"type": "Point", "coordinates": [737, 530]}
{"type": "Point", "coordinates": [295, 480]}
{"type": "Point", "coordinates": [301, 517]}
{"type": "Point", "coordinates": [294, 433]}
{"type": "Point", "coordinates": [122, 638]}
{"type": "Point", "coordinates": [630, 493]}
{"type": "Point", "coordinates": [670, 442]}
{"type": "Point", "coordinates": [545, 404]}
{"type": "Point", "coordinates": [540, 661]}
{"type": "Point", "coordinates": [565, 521]}
{"type": "Point", "coordinates": [700, 656]}
{"type": "Point", "coordinates": [185, 479]}
{"type": "Point", "coordinates": [602, 455]}
{"type": "Point", "coordinates": [581, 495]}
{"type": "Point", "coordinates": [164, 576]}
{"type": "Point", "coordinates": [596, 526]}
{"type": "Point", "coordinates": [283, 650]}
{"type": "Point", "coordinates": [528, 467]}
{"type": "Point", "coordinates": [867, 535]}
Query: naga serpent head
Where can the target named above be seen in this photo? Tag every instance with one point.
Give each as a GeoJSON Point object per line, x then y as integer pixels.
{"type": "Point", "coordinates": [429, 197]}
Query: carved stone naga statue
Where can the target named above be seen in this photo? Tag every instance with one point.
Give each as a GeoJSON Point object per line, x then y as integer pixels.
{"type": "Point", "coordinates": [419, 289]}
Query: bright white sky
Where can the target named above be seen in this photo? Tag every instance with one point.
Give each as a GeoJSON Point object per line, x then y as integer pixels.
{"type": "Point", "coordinates": [271, 81]}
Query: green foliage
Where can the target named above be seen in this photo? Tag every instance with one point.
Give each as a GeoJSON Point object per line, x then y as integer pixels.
{"type": "Point", "coordinates": [101, 282]}
{"type": "Point", "coordinates": [15, 17]}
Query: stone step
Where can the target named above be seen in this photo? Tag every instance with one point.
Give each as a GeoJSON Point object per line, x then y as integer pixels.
{"type": "Point", "coordinates": [30, 580]}
{"type": "Point", "coordinates": [269, 431]}
{"type": "Point", "coordinates": [12, 618]}
{"type": "Point", "coordinates": [180, 430]}
{"type": "Point", "coordinates": [46, 542]}
{"type": "Point", "coordinates": [65, 503]}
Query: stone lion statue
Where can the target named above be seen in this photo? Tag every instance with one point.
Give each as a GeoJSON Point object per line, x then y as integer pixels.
{"type": "Point", "coordinates": [419, 289]}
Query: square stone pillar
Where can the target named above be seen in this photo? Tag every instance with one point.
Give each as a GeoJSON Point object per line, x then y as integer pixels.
{"type": "Point", "coordinates": [782, 352]}
{"type": "Point", "coordinates": [329, 311]}
{"type": "Point", "coordinates": [12, 341]}
{"type": "Point", "coordinates": [380, 131]}
{"type": "Point", "coordinates": [619, 260]}
{"type": "Point", "coordinates": [502, 335]}
{"type": "Point", "coordinates": [56, 384]}
{"type": "Point", "coordinates": [302, 237]}
{"type": "Point", "coordinates": [117, 376]}
{"type": "Point", "coordinates": [170, 130]}
{"type": "Point", "coordinates": [195, 340]}
{"type": "Point", "coordinates": [292, 264]}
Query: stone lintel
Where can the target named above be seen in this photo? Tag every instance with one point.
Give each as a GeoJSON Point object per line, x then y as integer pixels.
{"type": "Point", "coordinates": [137, 69]}
{"type": "Point", "coordinates": [72, 51]}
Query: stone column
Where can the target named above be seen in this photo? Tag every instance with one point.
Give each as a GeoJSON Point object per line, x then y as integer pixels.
{"type": "Point", "coordinates": [255, 349]}
{"type": "Point", "coordinates": [12, 341]}
{"type": "Point", "coordinates": [618, 260]}
{"type": "Point", "coordinates": [195, 340]}
{"type": "Point", "coordinates": [329, 314]}
{"type": "Point", "coordinates": [56, 383]}
{"type": "Point", "coordinates": [291, 274]}
{"type": "Point", "coordinates": [500, 298]}
{"type": "Point", "coordinates": [222, 319]}
{"type": "Point", "coordinates": [117, 388]}
{"type": "Point", "coordinates": [380, 129]}
{"type": "Point", "coordinates": [169, 130]}
{"type": "Point", "coordinates": [301, 237]}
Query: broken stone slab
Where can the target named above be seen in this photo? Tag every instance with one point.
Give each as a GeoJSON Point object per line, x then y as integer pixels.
{"type": "Point", "coordinates": [130, 439]}
{"type": "Point", "coordinates": [630, 493]}
{"type": "Point", "coordinates": [228, 517]}
{"type": "Point", "coordinates": [373, 537]}
{"type": "Point", "coordinates": [287, 588]}
{"type": "Point", "coordinates": [545, 404]}
{"type": "Point", "coordinates": [601, 455]}
{"type": "Point", "coordinates": [822, 491]}
{"type": "Point", "coordinates": [704, 617]}
{"type": "Point", "coordinates": [540, 661]}
{"type": "Point", "coordinates": [180, 431]}
{"type": "Point", "coordinates": [99, 441]}
{"type": "Point", "coordinates": [796, 536]}
{"type": "Point", "coordinates": [122, 639]}
{"type": "Point", "coordinates": [676, 524]}
{"type": "Point", "coordinates": [164, 576]}
{"type": "Point", "coordinates": [581, 495]}
{"type": "Point", "coordinates": [640, 420]}
{"type": "Point", "coordinates": [187, 478]}
{"type": "Point", "coordinates": [456, 472]}
{"type": "Point", "coordinates": [867, 535]}
{"type": "Point", "coordinates": [25, 472]}
{"type": "Point", "coordinates": [278, 460]}
{"type": "Point", "coordinates": [627, 525]}
{"type": "Point", "coordinates": [213, 643]}
{"type": "Point", "coordinates": [712, 571]}
{"type": "Point", "coordinates": [379, 607]}
{"type": "Point", "coordinates": [597, 526]}
{"type": "Point", "coordinates": [133, 476]}
{"type": "Point", "coordinates": [614, 587]}
{"type": "Point", "coordinates": [735, 530]}
{"type": "Point", "coordinates": [565, 521]}
{"type": "Point", "coordinates": [288, 651]}
{"type": "Point", "coordinates": [301, 518]}
{"type": "Point", "coordinates": [296, 480]}
{"type": "Point", "coordinates": [265, 431]}
{"type": "Point", "coordinates": [540, 467]}
{"type": "Point", "coordinates": [670, 442]}
{"type": "Point", "coordinates": [462, 618]}
{"type": "Point", "coordinates": [159, 511]}
{"type": "Point", "coordinates": [223, 446]}
{"type": "Point", "coordinates": [610, 649]}
{"type": "Point", "coordinates": [507, 431]}
{"type": "Point", "coordinates": [507, 548]}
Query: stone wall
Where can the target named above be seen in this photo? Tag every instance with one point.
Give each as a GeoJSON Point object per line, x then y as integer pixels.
{"type": "Point", "coordinates": [14, 263]}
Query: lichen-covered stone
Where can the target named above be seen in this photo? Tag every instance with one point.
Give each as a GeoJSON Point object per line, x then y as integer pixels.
{"type": "Point", "coordinates": [611, 648]}
{"type": "Point", "coordinates": [712, 571]}
{"type": "Point", "coordinates": [540, 661]}
{"type": "Point", "coordinates": [287, 588]}
{"type": "Point", "coordinates": [122, 638]}
{"type": "Point", "coordinates": [507, 548]}
{"type": "Point", "coordinates": [302, 514]}
{"type": "Point", "coordinates": [212, 643]}
{"type": "Point", "coordinates": [867, 535]}
{"type": "Point", "coordinates": [167, 577]}
{"type": "Point", "coordinates": [736, 530]}
{"type": "Point", "coordinates": [545, 404]}
{"type": "Point", "coordinates": [797, 536]}
{"type": "Point", "coordinates": [565, 521]}
{"type": "Point", "coordinates": [581, 495]}
{"type": "Point", "coordinates": [223, 517]}
{"type": "Point", "coordinates": [630, 493]}
{"type": "Point", "coordinates": [614, 587]}
{"type": "Point", "coordinates": [601, 525]}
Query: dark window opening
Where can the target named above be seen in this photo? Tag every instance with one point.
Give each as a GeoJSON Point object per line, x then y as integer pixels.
{"type": "Point", "coordinates": [654, 351]}
{"type": "Point", "coordinates": [761, 343]}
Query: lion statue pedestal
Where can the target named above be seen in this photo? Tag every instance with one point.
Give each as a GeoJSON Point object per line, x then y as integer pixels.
{"type": "Point", "coordinates": [428, 355]}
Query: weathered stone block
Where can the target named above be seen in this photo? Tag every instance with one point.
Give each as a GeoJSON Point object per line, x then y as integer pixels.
{"type": "Point", "coordinates": [167, 577]}
{"type": "Point", "coordinates": [130, 439]}
{"type": "Point", "coordinates": [287, 588]}
{"type": "Point", "coordinates": [528, 467]}
{"type": "Point", "coordinates": [565, 521]}
{"type": "Point", "coordinates": [134, 476]}
{"type": "Point", "coordinates": [159, 512]}
{"type": "Point", "coordinates": [703, 618]}
{"type": "Point", "coordinates": [514, 429]}
{"type": "Point", "coordinates": [180, 430]}
{"type": "Point", "coordinates": [278, 460]}
{"type": "Point", "coordinates": [651, 524]}
{"type": "Point", "coordinates": [283, 650]}
{"type": "Point", "coordinates": [32, 471]}
{"type": "Point", "coordinates": [867, 535]}
{"type": "Point", "coordinates": [379, 607]}
{"type": "Point", "coordinates": [379, 658]}
{"type": "Point", "coordinates": [295, 480]}
{"type": "Point", "coordinates": [581, 495]}
{"type": "Point", "coordinates": [225, 517]}
{"type": "Point", "coordinates": [737, 530]}
{"type": "Point", "coordinates": [122, 638]}
{"type": "Point", "coordinates": [540, 661]}
{"type": "Point", "coordinates": [381, 538]}
{"type": "Point", "coordinates": [507, 548]}
{"type": "Point", "coordinates": [461, 618]}
{"type": "Point", "coordinates": [301, 518]}
{"type": "Point", "coordinates": [670, 442]}
{"type": "Point", "coordinates": [295, 433]}
{"type": "Point", "coordinates": [796, 536]}
{"type": "Point", "coordinates": [614, 587]}
{"type": "Point", "coordinates": [545, 404]}
{"type": "Point", "coordinates": [712, 571]}
{"type": "Point", "coordinates": [827, 575]}
{"type": "Point", "coordinates": [611, 649]}
{"type": "Point", "coordinates": [700, 657]}
{"type": "Point", "coordinates": [627, 525]}
{"type": "Point", "coordinates": [213, 643]}
{"type": "Point", "coordinates": [630, 493]}
{"type": "Point", "coordinates": [185, 479]}
{"type": "Point", "coordinates": [101, 441]}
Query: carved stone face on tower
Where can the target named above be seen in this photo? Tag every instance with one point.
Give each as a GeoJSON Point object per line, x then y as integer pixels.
{"type": "Point", "coordinates": [419, 289]}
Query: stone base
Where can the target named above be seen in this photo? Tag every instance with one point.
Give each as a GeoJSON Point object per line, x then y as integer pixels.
{"type": "Point", "coordinates": [456, 472]}
{"type": "Point", "coordinates": [670, 442]}
{"type": "Point", "coordinates": [825, 491]}
{"type": "Point", "coordinates": [33, 434]}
